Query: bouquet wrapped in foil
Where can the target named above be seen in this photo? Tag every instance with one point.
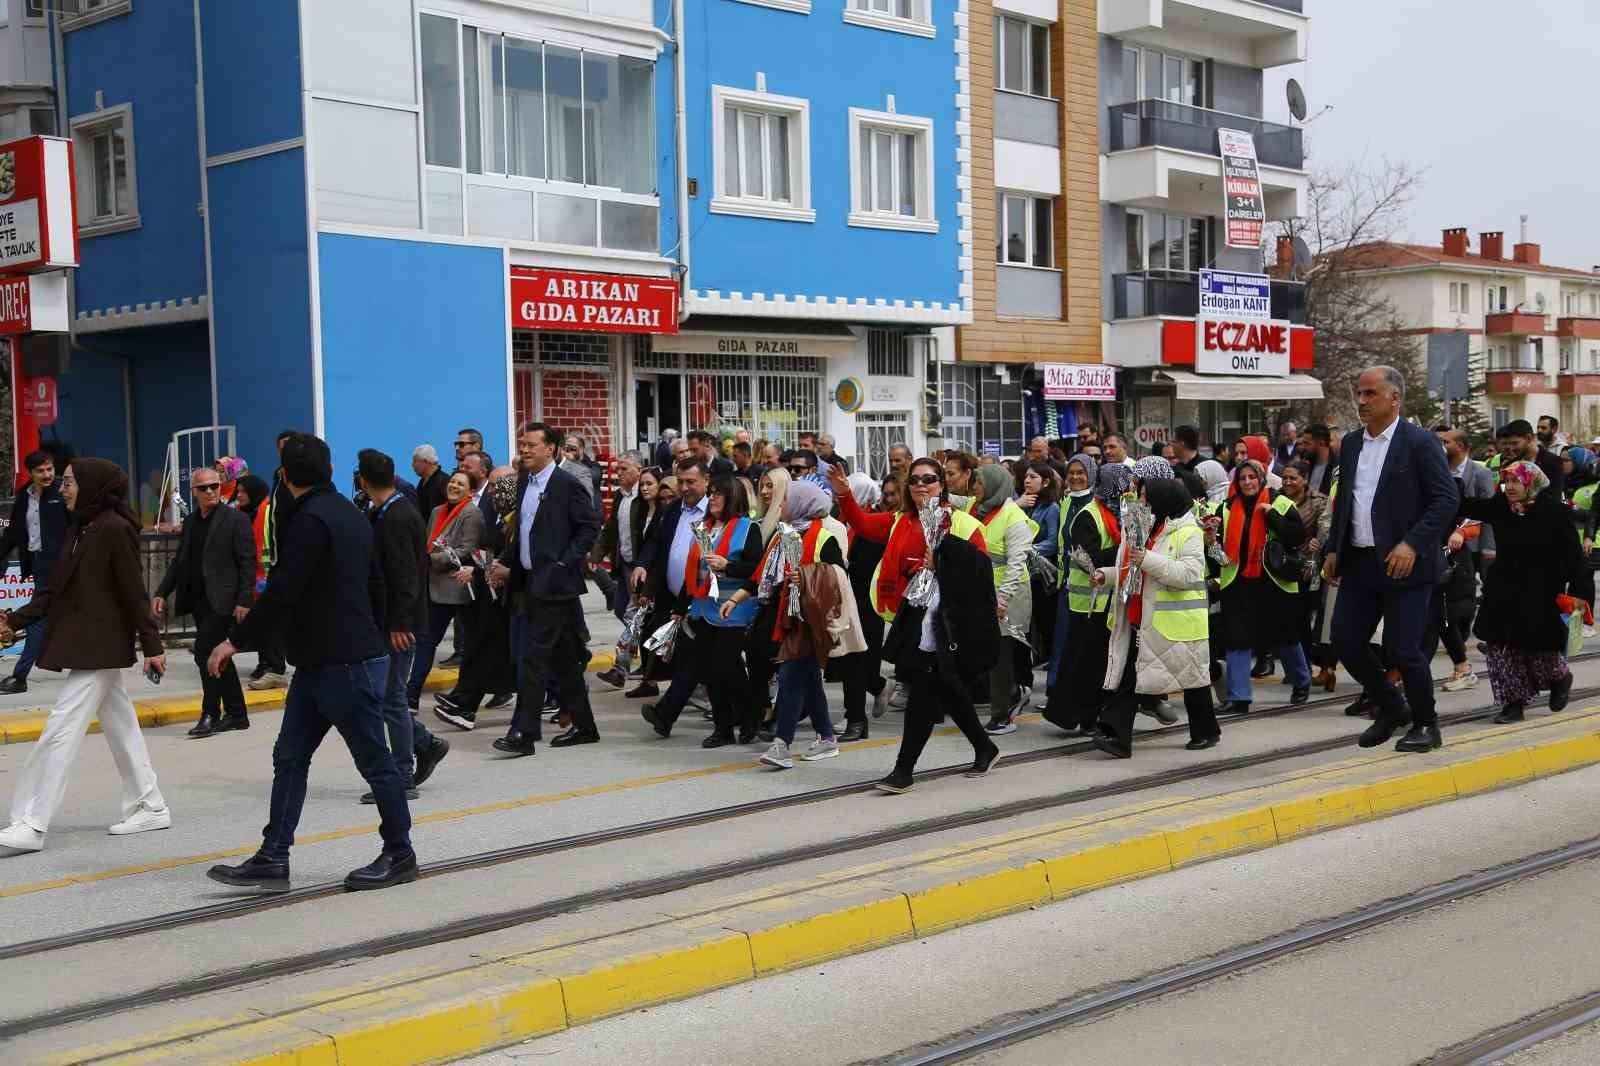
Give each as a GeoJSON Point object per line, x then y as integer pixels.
{"type": "Point", "coordinates": [664, 640]}
{"type": "Point", "coordinates": [920, 589]}
{"type": "Point", "coordinates": [783, 565]}
{"type": "Point", "coordinates": [1041, 567]}
{"type": "Point", "coordinates": [1214, 549]}
{"type": "Point", "coordinates": [702, 537]}
{"type": "Point", "coordinates": [1137, 521]}
{"type": "Point", "coordinates": [628, 644]}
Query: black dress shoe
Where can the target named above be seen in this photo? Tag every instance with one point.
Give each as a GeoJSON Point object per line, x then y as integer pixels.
{"type": "Point", "coordinates": [1202, 744]}
{"type": "Point", "coordinates": [1511, 712]}
{"type": "Point", "coordinates": [1382, 729]}
{"type": "Point", "coordinates": [1111, 745]}
{"type": "Point", "coordinates": [13, 685]}
{"type": "Point", "coordinates": [429, 758]}
{"type": "Point", "coordinates": [369, 798]}
{"type": "Point", "coordinates": [515, 742]}
{"type": "Point", "coordinates": [648, 713]}
{"type": "Point", "coordinates": [1301, 694]}
{"type": "Point", "coordinates": [1420, 738]}
{"type": "Point", "coordinates": [853, 731]}
{"type": "Point", "coordinates": [232, 721]}
{"type": "Point", "coordinates": [499, 700]}
{"type": "Point", "coordinates": [254, 872]}
{"type": "Point", "coordinates": [574, 735]}
{"type": "Point", "coordinates": [716, 740]}
{"type": "Point", "coordinates": [1361, 708]}
{"type": "Point", "coordinates": [205, 727]}
{"type": "Point", "coordinates": [387, 869]}
{"type": "Point", "coordinates": [1234, 707]}
{"type": "Point", "coordinates": [642, 691]}
{"type": "Point", "coordinates": [1560, 693]}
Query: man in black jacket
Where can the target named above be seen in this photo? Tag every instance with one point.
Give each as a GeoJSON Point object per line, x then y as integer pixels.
{"type": "Point", "coordinates": [400, 544]}
{"type": "Point", "coordinates": [322, 594]}
{"type": "Point", "coordinates": [553, 528]}
{"type": "Point", "coordinates": [660, 573]}
{"type": "Point", "coordinates": [214, 576]}
{"type": "Point", "coordinates": [431, 481]}
{"type": "Point", "coordinates": [37, 530]}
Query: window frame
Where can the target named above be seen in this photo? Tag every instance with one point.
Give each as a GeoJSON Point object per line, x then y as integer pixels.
{"type": "Point", "coordinates": [889, 354]}
{"type": "Point", "coordinates": [1030, 224]}
{"type": "Point", "coordinates": [83, 130]}
{"type": "Point", "coordinates": [798, 112]}
{"type": "Point", "coordinates": [1145, 214]}
{"type": "Point", "coordinates": [1031, 27]}
{"type": "Point", "coordinates": [926, 220]}
{"type": "Point", "coordinates": [860, 13]}
{"type": "Point", "coordinates": [107, 9]}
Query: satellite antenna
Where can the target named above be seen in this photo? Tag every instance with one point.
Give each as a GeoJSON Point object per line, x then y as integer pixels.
{"type": "Point", "coordinates": [1297, 100]}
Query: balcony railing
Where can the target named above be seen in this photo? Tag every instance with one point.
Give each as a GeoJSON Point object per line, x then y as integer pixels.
{"type": "Point", "coordinates": [1176, 293]}
{"type": "Point", "coordinates": [1532, 362]}
{"type": "Point", "coordinates": [1033, 119]}
{"type": "Point", "coordinates": [1298, 6]}
{"type": "Point", "coordinates": [1153, 123]}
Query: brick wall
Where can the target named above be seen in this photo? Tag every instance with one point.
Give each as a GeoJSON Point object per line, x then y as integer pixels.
{"type": "Point", "coordinates": [575, 393]}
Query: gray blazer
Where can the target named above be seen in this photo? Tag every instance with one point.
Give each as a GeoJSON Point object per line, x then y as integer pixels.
{"type": "Point", "coordinates": [227, 567]}
{"type": "Point", "coordinates": [465, 535]}
{"type": "Point", "coordinates": [1477, 483]}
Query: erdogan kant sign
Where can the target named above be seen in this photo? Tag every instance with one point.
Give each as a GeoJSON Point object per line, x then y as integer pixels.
{"type": "Point", "coordinates": [602, 303]}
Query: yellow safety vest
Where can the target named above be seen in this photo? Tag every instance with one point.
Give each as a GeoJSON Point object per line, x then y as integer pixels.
{"type": "Point", "coordinates": [1583, 499]}
{"type": "Point", "coordinates": [962, 525]}
{"type": "Point", "coordinates": [1281, 504]}
{"type": "Point", "coordinates": [1182, 614]}
{"type": "Point", "coordinates": [994, 535]}
{"type": "Point", "coordinates": [1080, 587]}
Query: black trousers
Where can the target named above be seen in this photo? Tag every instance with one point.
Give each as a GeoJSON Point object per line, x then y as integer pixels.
{"type": "Point", "coordinates": [721, 667]}
{"type": "Point", "coordinates": [931, 697]}
{"type": "Point", "coordinates": [1117, 715]}
{"type": "Point", "coordinates": [1080, 689]}
{"type": "Point", "coordinates": [553, 650]}
{"type": "Point", "coordinates": [219, 695]}
{"type": "Point", "coordinates": [863, 671]}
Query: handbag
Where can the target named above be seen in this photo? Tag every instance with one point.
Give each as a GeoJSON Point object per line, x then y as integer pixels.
{"type": "Point", "coordinates": [1282, 563]}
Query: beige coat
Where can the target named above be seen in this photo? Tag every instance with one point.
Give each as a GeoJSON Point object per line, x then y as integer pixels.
{"type": "Point", "coordinates": [1164, 665]}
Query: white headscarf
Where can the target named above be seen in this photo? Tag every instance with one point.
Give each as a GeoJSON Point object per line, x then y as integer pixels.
{"type": "Point", "coordinates": [866, 490]}
{"type": "Point", "coordinates": [1215, 475]}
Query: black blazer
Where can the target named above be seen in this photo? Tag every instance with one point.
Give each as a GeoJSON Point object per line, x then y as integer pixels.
{"type": "Point", "coordinates": [563, 532]}
{"type": "Point", "coordinates": [657, 548]}
{"type": "Point", "coordinates": [228, 567]}
{"type": "Point", "coordinates": [52, 529]}
{"type": "Point", "coordinates": [1415, 502]}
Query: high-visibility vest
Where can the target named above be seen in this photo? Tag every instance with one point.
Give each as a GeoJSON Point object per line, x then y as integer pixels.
{"type": "Point", "coordinates": [1583, 499]}
{"type": "Point", "coordinates": [1080, 586]}
{"type": "Point", "coordinates": [1283, 505]}
{"type": "Point", "coordinates": [1494, 461]}
{"type": "Point", "coordinates": [812, 541]}
{"type": "Point", "coordinates": [872, 592]}
{"type": "Point", "coordinates": [995, 526]}
{"type": "Point", "coordinates": [1182, 613]}
{"type": "Point", "coordinates": [962, 525]}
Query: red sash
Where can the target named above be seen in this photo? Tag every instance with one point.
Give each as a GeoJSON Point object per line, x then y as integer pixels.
{"type": "Point", "coordinates": [446, 516]}
{"type": "Point", "coordinates": [691, 572]}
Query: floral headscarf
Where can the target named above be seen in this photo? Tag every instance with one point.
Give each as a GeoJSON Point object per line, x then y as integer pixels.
{"type": "Point", "coordinates": [1528, 475]}
{"type": "Point", "coordinates": [1154, 468]}
{"type": "Point", "coordinates": [1113, 482]}
{"type": "Point", "coordinates": [232, 468]}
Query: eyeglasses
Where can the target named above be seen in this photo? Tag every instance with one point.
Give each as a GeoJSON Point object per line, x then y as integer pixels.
{"type": "Point", "coordinates": [464, 443]}
{"type": "Point", "coordinates": [214, 487]}
{"type": "Point", "coordinates": [923, 479]}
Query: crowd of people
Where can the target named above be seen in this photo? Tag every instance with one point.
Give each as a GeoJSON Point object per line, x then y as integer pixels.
{"type": "Point", "coordinates": [755, 573]}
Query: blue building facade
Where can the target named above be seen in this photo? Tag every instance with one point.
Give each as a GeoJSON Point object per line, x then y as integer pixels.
{"type": "Point", "coordinates": [356, 218]}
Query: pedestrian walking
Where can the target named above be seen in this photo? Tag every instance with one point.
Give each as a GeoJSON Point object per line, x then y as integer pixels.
{"type": "Point", "coordinates": [721, 619]}
{"type": "Point", "coordinates": [1009, 533]}
{"type": "Point", "coordinates": [320, 593]}
{"type": "Point", "coordinates": [431, 480]}
{"type": "Point", "coordinates": [454, 532]}
{"type": "Point", "coordinates": [272, 665]}
{"type": "Point", "coordinates": [96, 610]}
{"type": "Point", "coordinates": [37, 530]}
{"type": "Point", "coordinates": [862, 672]}
{"type": "Point", "coordinates": [213, 576]}
{"type": "Point", "coordinates": [1093, 534]}
{"type": "Point", "coordinates": [660, 575]}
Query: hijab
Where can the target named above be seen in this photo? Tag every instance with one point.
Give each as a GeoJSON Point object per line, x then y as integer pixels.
{"type": "Point", "coordinates": [1241, 515]}
{"type": "Point", "coordinates": [1153, 468]}
{"type": "Point", "coordinates": [1525, 473]}
{"type": "Point", "coordinates": [1260, 451]}
{"type": "Point", "coordinates": [804, 502]}
{"type": "Point", "coordinates": [997, 486]}
{"type": "Point", "coordinates": [102, 489]}
{"type": "Point", "coordinates": [1581, 459]}
{"type": "Point", "coordinates": [1215, 475]}
{"type": "Point", "coordinates": [1090, 469]}
{"type": "Point", "coordinates": [780, 490]}
{"type": "Point", "coordinates": [866, 490]}
{"type": "Point", "coordinates": [258, 492]}
{"type": "Point", "coordinates": [1113, 482]}
{"type": "Point", "coordinates": [1168, 499]}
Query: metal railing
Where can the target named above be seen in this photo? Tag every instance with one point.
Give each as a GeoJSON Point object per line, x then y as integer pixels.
{"type": "Point", "coordinates": [1528, 361]}
{"type": "Point", "coordinates": [1176, 293]}
{"type": "Point", "coordinates": [1151, 123]}
{"type": "Point", "coordinates": [156, 552]}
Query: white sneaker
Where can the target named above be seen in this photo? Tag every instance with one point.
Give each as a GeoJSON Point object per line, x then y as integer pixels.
{"type": "Point", "coordinates": [778, 755]}
{"type": "Point", "coordinates": [19, 838]}
{"type": "Point", "coordinates": [822, 748]}
{"type": "Point", "coordinates": [143, 820]}
{"type": "Point", "coordinates": [1461, 682]}
{"type": "Point", "coordinates": [1588, 632]}
{"type": "Point", "coordinates": [266, 681]}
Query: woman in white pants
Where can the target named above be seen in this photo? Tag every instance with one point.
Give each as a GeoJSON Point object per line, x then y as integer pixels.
{"type": "Point", "coordinates": [95, 607]}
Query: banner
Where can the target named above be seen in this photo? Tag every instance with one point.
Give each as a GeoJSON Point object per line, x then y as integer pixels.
{"type": "Point", "coordinates": [1227, 294]}
{"type": "Point", "coordinates": [1244, 209]}
{"type": "Point", "coordinates": [603, 303]}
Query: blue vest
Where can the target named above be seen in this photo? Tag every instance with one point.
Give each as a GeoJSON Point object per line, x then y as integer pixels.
{"type": "Point", "coordinates": [705, 609]}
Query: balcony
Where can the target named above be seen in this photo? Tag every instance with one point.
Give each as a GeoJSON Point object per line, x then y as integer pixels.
{"type": "Point", "coordinates": [1027, 292]}
{"type": "Point", "coordinates": [1176, 294]}
{"type": "Point", "coordinates": [1578, 382]}
{"type": "Point", "coordinates": [1517, 373]}
{"type": "Point", "coordinates": [1030, 119]}
{"type": "Point", "coordinates": [1579, 328]}
{"type": "Point", "coordinates": [1513, 324]}
{"type": "Point", "coordinates": [1251, 33]}
{"type": "Point", "coordinates": [1161, 123]}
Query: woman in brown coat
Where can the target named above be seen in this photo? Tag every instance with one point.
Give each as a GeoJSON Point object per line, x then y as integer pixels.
{"type": "Point", "coordinates": [94, 608]}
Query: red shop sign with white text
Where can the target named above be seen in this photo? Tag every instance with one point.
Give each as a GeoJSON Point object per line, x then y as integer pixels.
{"type": "Point", "coordinates": [602, 303]}
{"type": "Point", "coordinates": [38, 209]}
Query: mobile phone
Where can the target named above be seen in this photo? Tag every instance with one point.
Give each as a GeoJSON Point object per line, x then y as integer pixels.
{"type": "Point", "coordinates": [152, 675]}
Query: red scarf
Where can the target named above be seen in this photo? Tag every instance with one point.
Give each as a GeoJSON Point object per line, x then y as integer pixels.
{"type": "Point", "coordinates": [808, 555]}
{"type": "Point", "coordinates": [446, 516]}
{"type": "Point", "coordinates": [691, 569]}
{"type": "Point", "coordinates": [1251, 565]}
{"type": "Point", "coordinates": [1112, 527]}
{"type": "Point", "coordinates": [1136, 603]}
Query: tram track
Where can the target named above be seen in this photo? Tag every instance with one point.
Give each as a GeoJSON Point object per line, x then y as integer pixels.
{"type": "Point", "coordinates": [635, 890]}
{"type": "Point", "coordinates": [1500, 1044]}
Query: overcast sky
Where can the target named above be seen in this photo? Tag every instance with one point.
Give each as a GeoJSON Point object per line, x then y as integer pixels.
{"type": "Point", "coordinates": [1497, 101]}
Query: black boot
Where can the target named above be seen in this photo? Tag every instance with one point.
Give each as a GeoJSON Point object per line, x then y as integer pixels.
{"type": "Point", "coordinates": [1560, 693]}
{"type": "Point", "coordinates": [853, 731]}
{"type": "Point", "coordinates": [205, 727]}
{"type": "Point", "coordinates": [1511, 712]}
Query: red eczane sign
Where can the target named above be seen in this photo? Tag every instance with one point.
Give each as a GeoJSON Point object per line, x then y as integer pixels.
{"type": "Point", "coordinates": [602, 303]}
{"type": "Point", "coordinates": [33, 303]}
{"type": "Point", "coordinates": [38, 205]}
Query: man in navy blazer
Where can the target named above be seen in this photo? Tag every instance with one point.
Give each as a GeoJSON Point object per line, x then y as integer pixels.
{"type": "Point", "coordinates": [552, 529]}
{"type": "Point", "coordinates": [1396, 502]}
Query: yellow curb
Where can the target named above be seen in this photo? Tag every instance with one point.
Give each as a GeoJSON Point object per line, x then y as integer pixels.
{"type": "Point", "coordinates": [19, 727]}
{"type": "Point", "coordinates": [492, 1003]}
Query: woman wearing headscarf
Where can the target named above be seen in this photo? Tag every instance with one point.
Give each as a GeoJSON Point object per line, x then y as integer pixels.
{"type": "Point", "coordinates": [1215, 476]}
{"type": "Point", "coordinates": [1312, 506]}
{"type": "Point", "coordinates": [937, 653]}
{"type": "Point", "coordinates": [254, 498]}
{"type": "Point", "coordinates": [1078, 480]}
{"type": "Point", "coordinates": [1040, 501]}
{"type": "Point", "coordinates": [230, 469]}
{"type": "Point", "coordinates": [1009, 534]}
{"type": "Point", "coordinates": [96, 609]}
{"type": "Point", "coordinates": [1259, 609]}
{"type": "Point", "coordinates": [1075, 702]}
{"type": "Point", "coordinates": [760, 649]}
{"type": "Point", "coordinates": [862, 672]}
{"type": "Point", "coordinates": [1257, 450]}
{"type": "Point", "coordinates": [806, 604]}
{"type": "Point", "coordinates": [1536, 557]}
{"type": "Point", "coordinates": [1159, 643]}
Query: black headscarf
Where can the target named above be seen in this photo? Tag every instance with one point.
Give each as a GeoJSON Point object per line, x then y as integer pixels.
{"type": "Point", "coordinates": [1168, 499]}
{"type": "Point", "coordinates": [102, 490]}
{"type": "Point", "coordinates": [257, 490]}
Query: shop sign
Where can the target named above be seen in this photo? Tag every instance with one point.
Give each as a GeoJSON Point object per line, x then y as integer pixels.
{"type": "Point", "coordinates": [39, 401]}
{"type": "Point", "coordinates": [1152, 435]}
{"type": "Point", "coordinates": [1250, 347]}
{"type": "Point", "coordinates": [775, 343]}
{"type": "Point", "coordinates": [1075, 381]}
{"type": "Point", "coordinates": [1244, 208]}
{"type": "Point", "coordinates": [1226, 294]}
{"type": "Point", "coordinates": [991, 447]}
{"type": "Point", "coordinates": [600, 303]}
{"type": "Point", "coordinates": [33, 303]}
{"type": "Point", "coordinates": [38, 224]}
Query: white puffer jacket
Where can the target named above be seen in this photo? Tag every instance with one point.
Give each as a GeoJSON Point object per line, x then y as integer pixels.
{"type": "Point", "coordinates": [1164, 665]}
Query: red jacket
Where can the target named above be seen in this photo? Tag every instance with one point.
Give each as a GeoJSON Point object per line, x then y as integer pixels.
{"type": "Point", "coordinates": [904, 547]}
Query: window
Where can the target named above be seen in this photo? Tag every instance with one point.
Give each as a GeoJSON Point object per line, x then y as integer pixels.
{"type": "Point", "coordinates": [1024, 223]}
{"type": "Point", "coordinates": [762, 146]}
{"type": "Point", "coordinates": [87, 13]}
{"type": "Point", "coordinates": [1502, 297]}
{"type": "Point", "coordinates": [1021, 56]}
{"type": "Point", "coordinates": [1461, 297]}
{"type": "Point", "coordinates": [108, 198]}
{"type": "Point", "coordinates": [1167, 242]}
{"type": "Point", "coordinates": [891, 171]}
{"type": "Point", "coordinates": [441, 91]}
{"type": "Point", "coordinates": [1571, 303]}
{"type": "Point", "coordinates": [1150, 75]}
{"type": "Point", "coordinates": [903, 16]}
{"type": "Point", "coordinates": [1594, 304]}
{"type": "Point", "coordinates": [1455, 297]}
{"type": "Point", "coordinates": [888, 354]}
{"type": "Point", "coordinates": [876, 433]}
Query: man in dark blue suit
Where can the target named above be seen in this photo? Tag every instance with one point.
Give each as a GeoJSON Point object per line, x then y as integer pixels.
{"type": "Point", "coordinates": [552, 530]}
{"type": "Point", "coordinates": [1396, 501]}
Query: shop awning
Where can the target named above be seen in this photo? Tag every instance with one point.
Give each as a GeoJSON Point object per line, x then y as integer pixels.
{"type": "Point", "coordinates": [1192, 386]}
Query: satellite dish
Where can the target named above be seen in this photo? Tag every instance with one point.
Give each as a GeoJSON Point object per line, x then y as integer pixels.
{"type": "Point", "coordinates": [1302, 256]}
{"type": "Point", "coordinates": [1297, 101]}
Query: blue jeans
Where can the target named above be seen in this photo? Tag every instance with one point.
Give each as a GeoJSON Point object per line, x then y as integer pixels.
{"type": "Point", "coordinates": [621, 595]}
{"type": "Point", "coordinates": [439, 618]}
{"type": "Point", "coordinates": [347, 697]}
{"type": "Point", "coordinates": [1293, 657]}
{"type": "Point", "coordinates": [1366, 594]}
{"type": "Point", "coordinates": [30, 650]}
{"type": "Point", "coordinates": [800, 693]}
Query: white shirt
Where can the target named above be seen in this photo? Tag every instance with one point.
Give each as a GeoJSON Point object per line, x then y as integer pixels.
{"type": "Point", "coordinates": [682, 538]}
{"type": "Point", "coordinates": [624, 517]}
{"type": "Point", "coordinates": [530, 510]}
{"type": "Point", "coordinates": [35, 536]}
{"type": "Point", "coordinates": [1369, 466]}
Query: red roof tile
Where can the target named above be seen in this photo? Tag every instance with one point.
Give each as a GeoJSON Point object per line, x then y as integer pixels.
{"type": "Point", "coordinates": [1390, 255]}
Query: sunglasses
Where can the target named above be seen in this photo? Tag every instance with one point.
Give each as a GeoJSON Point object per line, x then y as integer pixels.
{"type": "Point", "coordinates": [801, 469]}
{"type": "Point", "coordinates": [923, 479]}
{"type": "Point", "coordinates": [464, 444]}
{"type": "Point", "coordinates": [208, 488]}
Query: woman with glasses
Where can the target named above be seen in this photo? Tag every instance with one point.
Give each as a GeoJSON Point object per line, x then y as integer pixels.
{"type": "Point", "coordinates": [937, 654]}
